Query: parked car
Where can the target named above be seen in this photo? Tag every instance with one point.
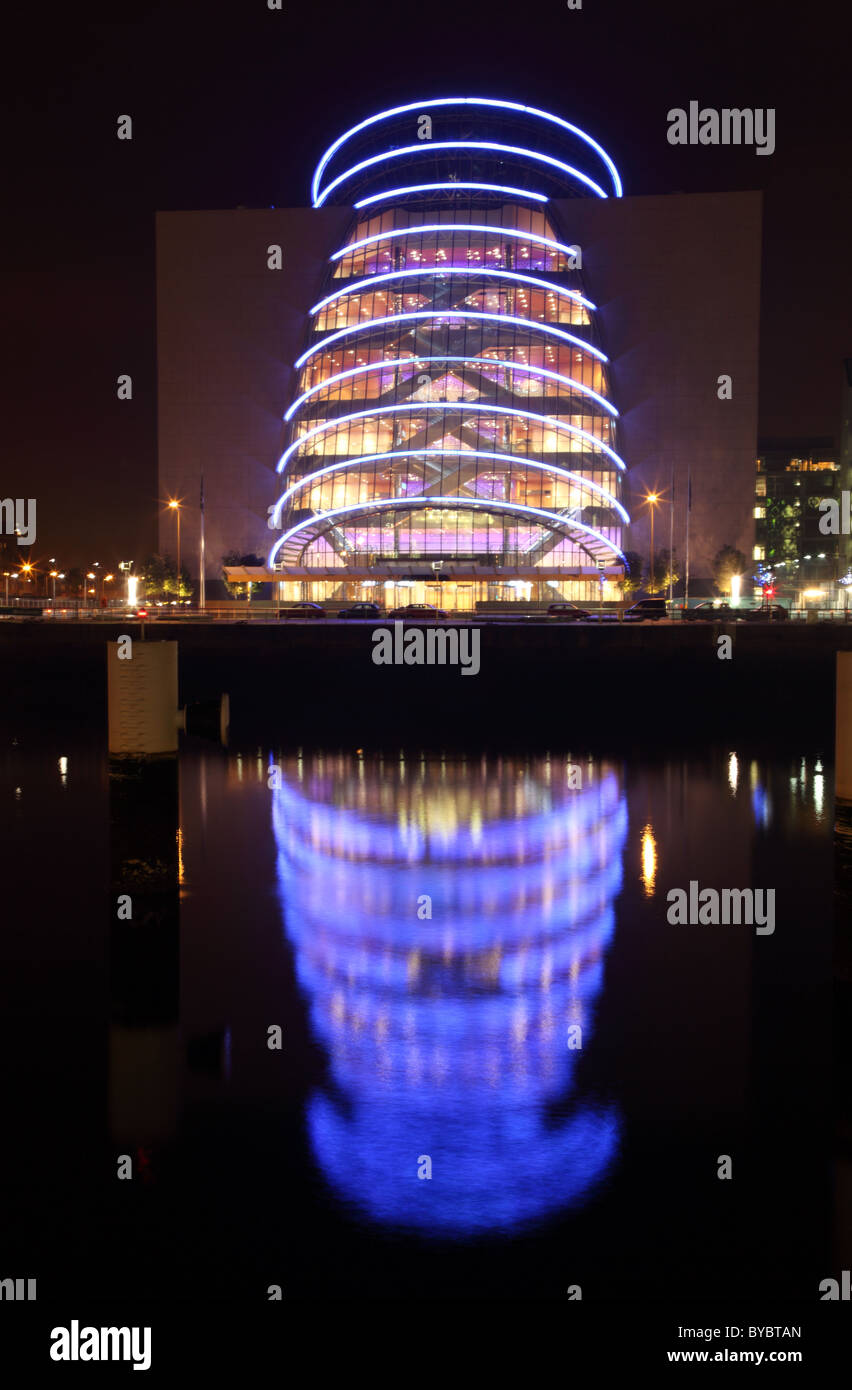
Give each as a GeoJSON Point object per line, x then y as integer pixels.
{"type": "Point", "coordinates": [710, 611]}
{"type": "Point", "coordinates": [304, 610]}
{"type": "Point", "coordinates": [361, 610]}
{"type": "Point", "coordinates": [417, 610]}
{"type": "Point", "coordinates": [567, 612]}
{"type": "Point", "coordinates": [651, 608]}
{"type": "Point", "coordinates": [767, 612]}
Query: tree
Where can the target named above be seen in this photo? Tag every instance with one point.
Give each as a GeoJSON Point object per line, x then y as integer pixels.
{"type": "Point", "coordinates": [179, 591]}
{"type": "Point", "coordinates": [632, 579]}
{"type": "Point", "coordinates": [154, 570]}
{"type": "Point", "coordinates": [75, 581]}
{"type": "Point", "coordinates": [242, 587]}
{"type": "Point", "coordinates": [726, 563]}
{"type": "Point", "coordinates": [666, 572]}
{"type": "Point", "coordinates": [161, 579]}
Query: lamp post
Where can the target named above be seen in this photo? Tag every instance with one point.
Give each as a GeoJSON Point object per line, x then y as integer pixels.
{"type": "Point", "coordinates": [6, 575]}
{"type": "Point", "coordinates": [53, 576]}
{"type": "Point", "coordinates": [202, 581]}
{"type": "Point", "coordinates": [89, 575]}
{"type": "Point", "coordinates": [652, 499]}
{"type": "Point", "coordinates": [174, 506]}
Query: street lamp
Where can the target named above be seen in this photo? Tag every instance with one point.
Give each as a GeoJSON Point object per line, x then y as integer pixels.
{"type": "Point", "coordinates": [53, 576]}
{"type": "Point", "coordinates": [652, 499]}
{"type": "Point", "coordinates": [174, 506]}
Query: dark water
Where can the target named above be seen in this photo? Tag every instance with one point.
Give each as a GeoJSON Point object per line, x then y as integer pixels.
{"type": "Point", "coordinates": [572, 1065]}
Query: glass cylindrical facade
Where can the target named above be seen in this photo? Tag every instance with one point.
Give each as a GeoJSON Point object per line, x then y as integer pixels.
{"type": "Point", "coordinates": [453, 400]}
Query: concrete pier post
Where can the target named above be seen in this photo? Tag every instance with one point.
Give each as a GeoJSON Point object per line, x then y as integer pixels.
{"type": "Point", "coordinates": [143, 698]}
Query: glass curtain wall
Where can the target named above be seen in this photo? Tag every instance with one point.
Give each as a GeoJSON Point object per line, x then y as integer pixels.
{"type": "Point", "coordinates": [453, 405]}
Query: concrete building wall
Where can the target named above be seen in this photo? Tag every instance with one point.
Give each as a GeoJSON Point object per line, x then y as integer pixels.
{"type": "Point", "coordinates": [677, 281]}
{"type": "Point", "coordinates": [228, 330]}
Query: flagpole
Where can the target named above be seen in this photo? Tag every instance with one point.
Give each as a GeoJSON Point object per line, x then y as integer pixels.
{"type": "Point", "coordinates": [671, 540]}
{"type": "Point", "coordinates": [202, 591]}
{"type": "Point", "coordinates": [688, 510]}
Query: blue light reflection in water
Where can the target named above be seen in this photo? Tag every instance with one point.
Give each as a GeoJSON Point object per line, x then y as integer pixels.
{"type": "Point", "coordinates": [449, 1036]}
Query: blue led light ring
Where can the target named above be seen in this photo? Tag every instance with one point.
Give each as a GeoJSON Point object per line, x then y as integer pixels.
{"type": "Point", "coordinates": [430, 146]}
{"type": "Point", "coordinates": [516, 509]}
{"type": "Point", "coordinates": [357, 1145]}
{"type": "Point", "coordinates": [557, 825]}
{"type": "Point", "coordinates": [460, 407]}
{"type": "Point", "coordinates": [507, 365]}
{"type": "Point", "coordinates": [461, 454]}
{"type": "Point", "coordinates": [454, 186]}
{"type": "Point", "coordinates": [464, 101]}
{"type": "Point", "coordinates": [504, 320]}
{"type": "Point", "coordinates": [581, 814]}
{"type": "Point", "coordinates": [471, 270]}
{"type": "Point", "coordinates": [429, 227]}
{"type": "Point", "coordinates": [568, 931]}
{"type": "Point", "coordinates": [551, 834]}
{"type": "Point", "coordinates": [493, 881]}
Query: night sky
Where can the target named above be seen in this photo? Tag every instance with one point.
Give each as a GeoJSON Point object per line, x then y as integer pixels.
{"type": "Point", "coordinates": [233, 104]}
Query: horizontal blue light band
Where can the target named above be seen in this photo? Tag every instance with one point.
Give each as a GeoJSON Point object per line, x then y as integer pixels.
{"type": "Point", "coordinates": [429, 227]}
{"type": "Point", "coordinates": [430, 146]}
{"type": "Point", "coordinates": [455, 504]}
{"type": "Point", "coordinates": [471, 270]}
{"type": "Point", "coordinates": [579, 819]}
{"type": "Point", "coordinates": [531, 325]}
{"type": "Point", "coordinates": [428, 187]}
{"type": "Point", "coordinates": [465, 101]}
{"type": "Point", "coordinates": [460, 407]}
{"type": "Point", "coordinates": [556, 832]}
{"type": "Point", "coordinates": [479, 361]}
{"type": "Point", "coordinates": [462, 455]}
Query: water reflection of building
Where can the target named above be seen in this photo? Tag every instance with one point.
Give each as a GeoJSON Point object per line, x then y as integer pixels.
{"type": "Point", "coordinates": [449, 1036]}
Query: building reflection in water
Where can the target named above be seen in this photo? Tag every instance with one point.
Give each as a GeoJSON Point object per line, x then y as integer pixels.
{"type": "Point", "coordinates": [451, 1035]}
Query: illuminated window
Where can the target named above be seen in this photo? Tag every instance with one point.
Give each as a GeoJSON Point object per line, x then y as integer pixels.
{"type": "Point", "coordinates": [759, 552]}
